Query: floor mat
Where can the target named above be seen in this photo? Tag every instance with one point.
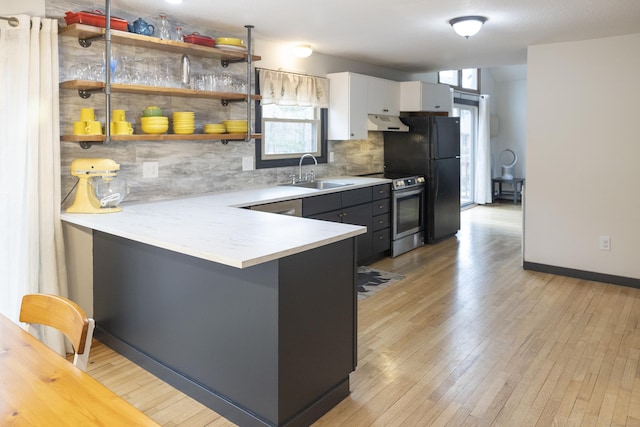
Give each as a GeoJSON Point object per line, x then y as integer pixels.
{"type": "Point", "coordinates": [369, 281]}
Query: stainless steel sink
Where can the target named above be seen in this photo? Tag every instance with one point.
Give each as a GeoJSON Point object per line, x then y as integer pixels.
{"type": "Point", "coordinates": [319, 185]}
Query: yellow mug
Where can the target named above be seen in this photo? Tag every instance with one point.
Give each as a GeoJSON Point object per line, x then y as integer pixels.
{"type": "Point", "coordinates": [87, 115]}
{"type": "Point", "coordinates": [79, 128]}
{"type": "Point", "coordinates": [121, 128]}
{"type": "Point", "coordinates": [93, 127]}
{"type": "Point", "coordinates": [118, 116]}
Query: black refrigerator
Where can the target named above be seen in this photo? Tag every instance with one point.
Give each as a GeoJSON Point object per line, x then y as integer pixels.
{"type": "Point", "coordinates": [430, 148]}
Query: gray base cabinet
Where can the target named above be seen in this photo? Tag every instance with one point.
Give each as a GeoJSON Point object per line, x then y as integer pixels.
{"type": "Point", "coordinates": [369, 207]}
{"type": "Point", "coordinates": [269, 345]}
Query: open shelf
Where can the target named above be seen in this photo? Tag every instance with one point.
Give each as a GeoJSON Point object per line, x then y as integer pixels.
{"type": "Point", "coordinates": [94, 86]}
{"type": "Point", "coordinates": [160, 137]}
{"type": "Point", "coordinates": [88, 32]}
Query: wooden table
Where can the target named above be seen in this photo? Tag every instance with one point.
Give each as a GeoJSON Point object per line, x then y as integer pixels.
{"type": "Point", "coordinates": [40, 388]}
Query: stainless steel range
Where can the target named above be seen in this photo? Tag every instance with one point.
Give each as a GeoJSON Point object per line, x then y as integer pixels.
{"type": "Point", "coordinates": [408, 211]}
{"type": "Point", "coordinates": [407, 202]}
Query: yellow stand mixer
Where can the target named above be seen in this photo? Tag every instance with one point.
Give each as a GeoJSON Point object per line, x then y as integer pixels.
{"type": "Point", "coordinates": [87, 201]}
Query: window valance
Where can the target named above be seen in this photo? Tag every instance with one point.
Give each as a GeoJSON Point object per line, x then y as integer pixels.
{"type": "Point", "coordinates": [282, 88]}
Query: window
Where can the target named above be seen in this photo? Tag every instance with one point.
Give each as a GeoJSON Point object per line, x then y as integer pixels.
{"type": "Point", "coordinates": [467, 80]}
{"type": "Point", "coordinates": [288, 132]}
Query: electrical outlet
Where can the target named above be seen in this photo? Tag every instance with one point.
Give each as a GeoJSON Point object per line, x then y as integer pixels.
{"type": "Point", "coordinates": [149, 169]}
{"type": "Point", "coordinates": [605, 243]}
{"type": "Point", "coordinates": [247, 163]}
{"type": "Point", "coordinates": [331, 158]}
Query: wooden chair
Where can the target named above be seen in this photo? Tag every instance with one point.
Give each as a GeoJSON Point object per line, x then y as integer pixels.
{"type": "Point", "coordinates": [63, 315]}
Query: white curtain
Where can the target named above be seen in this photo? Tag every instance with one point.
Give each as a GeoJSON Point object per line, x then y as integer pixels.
{"type": "Point", "coordinates": [483, 154]}
{"type": "Point", "coordinates": [31, 248]}
{"type": "Point", "coordinates": [282, 88]}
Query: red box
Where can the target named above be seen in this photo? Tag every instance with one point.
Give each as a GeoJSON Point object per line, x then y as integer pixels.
{"type": "Point", "coordinates": [96, 19]}
{"type": "Point", "coordinates": [196, 38]}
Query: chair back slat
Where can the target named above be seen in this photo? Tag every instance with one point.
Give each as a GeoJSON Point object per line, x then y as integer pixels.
{"type": "Point", "coordinates": [59, 313]}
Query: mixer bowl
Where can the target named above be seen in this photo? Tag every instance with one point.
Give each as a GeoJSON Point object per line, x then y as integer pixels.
{"type": "Point", "coordinates": [110, 191]}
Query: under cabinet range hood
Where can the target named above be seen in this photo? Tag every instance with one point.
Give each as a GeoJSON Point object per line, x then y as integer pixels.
{"type": "Point", "coordinates": [386, 123]}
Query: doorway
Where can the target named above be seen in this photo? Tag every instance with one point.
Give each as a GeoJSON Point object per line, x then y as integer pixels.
{"type": "Point", "coordinates": [467, 110]}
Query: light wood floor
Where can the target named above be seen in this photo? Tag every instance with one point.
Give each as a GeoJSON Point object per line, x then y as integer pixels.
{"type": "Point", "coordinates": [467, 338]}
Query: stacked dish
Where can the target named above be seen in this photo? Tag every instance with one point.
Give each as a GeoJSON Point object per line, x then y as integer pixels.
{"type": "Point", "coordinates": [184, 122]}
{"type": "Point", "coordinates": [214, 128]}
{"type": "Point", "coordinates": [236, 126]}
{"type": "Point", "coordinates": [154, 124]}
{"type": "Point", "coordinates": [230, 43]}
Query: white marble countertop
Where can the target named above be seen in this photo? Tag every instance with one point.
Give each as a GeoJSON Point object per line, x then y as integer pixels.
{"type": "Point", "coordinates": [212, 226]}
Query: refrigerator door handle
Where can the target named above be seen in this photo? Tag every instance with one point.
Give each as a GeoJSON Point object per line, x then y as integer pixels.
{"type": "Point", "coordinates": [435, 152]}
{"type": "Point", "coordinates": [436, 182]}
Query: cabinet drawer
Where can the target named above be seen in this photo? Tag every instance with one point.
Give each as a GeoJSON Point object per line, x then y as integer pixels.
{"type": "Point", "coordinates": [382, 191]}
{"type": "Point", "coordinates": [356, 197]}
{"type": "Point", "coordinates": [381, 241]}
{"type": "Point", "coordinates": [381, 206]}
{"type": "Point", "coordinates": [381, 221]}
{"type": "Point", "coordinates": [317, 204]}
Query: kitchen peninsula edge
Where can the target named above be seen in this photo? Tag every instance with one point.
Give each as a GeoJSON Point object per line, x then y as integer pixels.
{"type": "Point", "coordinates": [227, 305]}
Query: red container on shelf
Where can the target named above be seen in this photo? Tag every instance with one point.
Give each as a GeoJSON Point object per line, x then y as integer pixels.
{"type": "Point", "coordinates": [96, 19]}
{"type": "Point", "coordinates": [196, 38]}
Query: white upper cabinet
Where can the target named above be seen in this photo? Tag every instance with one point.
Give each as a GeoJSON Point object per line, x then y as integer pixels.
{"type": "Point", "coordinates": [383, 96]}
{"type": "Point", "coordinates": [347, 106]}
{"type": "Point", "coordinates": [420, 96]}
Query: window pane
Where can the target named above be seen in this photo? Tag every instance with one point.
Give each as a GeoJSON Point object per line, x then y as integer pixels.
{"type": "Point", "coordinates": [289, 137]}
{"type": "Point", "coordinates": [449, 77]}
{"type": "Point", "coordinates": [470, 78]}
{"type": "Point", "coordinates": [283, 112]}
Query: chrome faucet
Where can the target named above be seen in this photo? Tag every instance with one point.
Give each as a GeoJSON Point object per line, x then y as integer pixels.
{"type": "Point", "coordinates": [309, 176]}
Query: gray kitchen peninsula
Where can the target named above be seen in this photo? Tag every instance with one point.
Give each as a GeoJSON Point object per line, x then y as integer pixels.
{"type": "Point", "coordinates": [251, 313]}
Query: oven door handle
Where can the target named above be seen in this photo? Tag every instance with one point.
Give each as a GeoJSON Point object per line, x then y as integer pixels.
{"type": "Point", "coordinates": [407, 193]}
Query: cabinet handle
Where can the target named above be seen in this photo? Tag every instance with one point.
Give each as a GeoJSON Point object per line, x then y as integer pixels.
{"type": "Point", "coordinates": [380, 237]}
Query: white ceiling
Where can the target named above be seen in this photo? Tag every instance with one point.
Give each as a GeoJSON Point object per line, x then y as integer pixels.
{"type": "Point", "coordinates": [408, 35]}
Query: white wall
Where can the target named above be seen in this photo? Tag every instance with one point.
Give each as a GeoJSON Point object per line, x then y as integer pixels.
{"type": "Point", "coordinates": [278, 56]}
{"type": "Point", "coordinates": [583, 147]}
{"type": "Point", "coordinates": [27, 7]}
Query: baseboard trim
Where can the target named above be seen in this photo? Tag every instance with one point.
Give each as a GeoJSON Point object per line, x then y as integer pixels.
{"type": "Point", "coordinates": [584, 275]}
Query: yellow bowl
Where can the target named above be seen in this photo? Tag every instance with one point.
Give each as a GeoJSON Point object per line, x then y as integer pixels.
{"type": "Point", "coordinates": [232, 41]}
{"type": "Point", "coordinates": [154, 130]}
{"type": "Point", "coordinates": [154, 120]}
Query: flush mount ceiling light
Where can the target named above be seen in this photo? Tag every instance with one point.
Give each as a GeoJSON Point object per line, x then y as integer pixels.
{"type": "Point", "coordinates": [302, 50]}
{"type": "Point", "coordinates": [467, 26]}
{"type": "Point", "coordinates": [174, 1]}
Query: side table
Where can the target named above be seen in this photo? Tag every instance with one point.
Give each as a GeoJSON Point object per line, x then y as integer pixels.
{"type": "Point", "coordinates": [516, 184]}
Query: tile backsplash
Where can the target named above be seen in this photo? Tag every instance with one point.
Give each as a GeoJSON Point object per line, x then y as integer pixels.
{"type": "Point", "coordinates": [185, 167]}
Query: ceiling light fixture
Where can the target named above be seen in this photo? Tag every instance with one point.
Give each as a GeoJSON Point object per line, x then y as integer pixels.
{"type": "Point", "coordinates": [467, 26]}
{"type": "Point", "coordinates": [174, 1]}
{"type": "Point", "coordinates": [302, 50]}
